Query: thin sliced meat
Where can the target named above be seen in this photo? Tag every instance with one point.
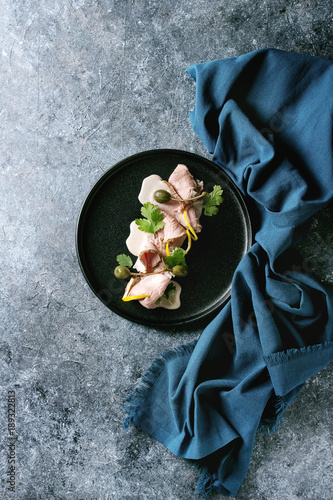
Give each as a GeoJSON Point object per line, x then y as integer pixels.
{"type": "Point", "coordinates": [148, 259]}
{"type": "Point", "coordinates": [192, 218]}
{"type": "Point", "coordinates": [173, 234]}
{"type": "Point", "coordinates": [175, 209]}
{"type": "Point", "coordinates": [187, 187]}
{"type": "Point", "coordinates": [129, 286]}
{"type": "Point", "coordinates": [184, 183]}
{"type": "Point", "coordinates": [153, 285]}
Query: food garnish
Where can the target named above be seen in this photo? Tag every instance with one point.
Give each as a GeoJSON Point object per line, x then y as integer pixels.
{"type": "Point", "coordinates": [189, 239]}
{"type": "Point", "coordinates": [162, 196]}
{"type": "Point", "coordinates": [194, 234]}
{"type": "Point", "coordinates": [153, 218]}
{"type": "Point", "coordinates": [170, 290]}
{"type": "Point", "coordinates": [212, 201]}
{"type": "Point", "coordinates": [122, 272]}
{"type": "Point", "coordinates": [124, 260]}
{"type": "Point", "coordinates": [176, 258]}
{"type": "Point", "coordinates": [135, 297]}
{"type": "Point", "coordinates": [180, 271]}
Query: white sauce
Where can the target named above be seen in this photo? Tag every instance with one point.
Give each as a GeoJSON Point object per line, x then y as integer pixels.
{"type": "Point", "coordinates": [174, 298]}
{"type": "Point", "coordinates": [149, 185]}
{"type": "Point", "coordinates": [136, 238]}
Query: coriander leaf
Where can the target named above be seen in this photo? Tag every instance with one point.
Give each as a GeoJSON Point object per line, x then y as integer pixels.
{"type": "Point", "coordinates": [124, 260]}
{"type": "Point", "coordinates": [170, 289]}
{"type": "Point", "coordinates": [177, 258]}
{"type": "Point", "coordinates": [153, 218]}
{"type": "Point", "coordinates": [144, 225]}
{"type": "Point", "coordinates": [152, 212]}
{"type": "Point", "coordinates": [212, 201]}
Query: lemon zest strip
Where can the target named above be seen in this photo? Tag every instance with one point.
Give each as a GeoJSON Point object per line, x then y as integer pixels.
{"type": "Point", "coordinates": [195, 237]}
{"type": "Point", "coordinates": [189, 240]}
{"type": "Point", "coordinates": [135, 297]}
{"type": "Point", "coordinates": [167, 249]}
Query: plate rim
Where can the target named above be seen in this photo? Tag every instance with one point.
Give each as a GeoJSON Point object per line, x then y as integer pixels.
{"type": "Point", "coordinates": [89, 198]}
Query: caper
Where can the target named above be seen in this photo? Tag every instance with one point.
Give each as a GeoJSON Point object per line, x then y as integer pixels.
{"type": "Point", "coordinates": [122, 272]}
{"type": "Point", "coordinates": [180, 271]}
{"type": "Point", "coordinates": [162, 196]}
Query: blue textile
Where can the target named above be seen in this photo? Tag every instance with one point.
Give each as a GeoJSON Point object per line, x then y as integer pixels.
{"type": "Point", "coordinates": [266, 117]}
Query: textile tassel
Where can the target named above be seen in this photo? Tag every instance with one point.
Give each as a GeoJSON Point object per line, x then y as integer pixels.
{"type": "Point", "coordinates": [205, 484]}
{"type": "Point", "coordinates": [276, 407]}
{"type": "Point", "coordinates": [278, 358]}
{"type": "Point", "coordinates": [138, 396]}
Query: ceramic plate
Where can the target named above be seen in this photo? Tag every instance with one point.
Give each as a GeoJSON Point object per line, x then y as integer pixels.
{"type": "Point", "coordinates": [103, 228]}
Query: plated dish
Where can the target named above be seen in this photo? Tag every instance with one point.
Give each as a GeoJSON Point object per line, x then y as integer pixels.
{"type": "Point", "coordinates": [103, 228]}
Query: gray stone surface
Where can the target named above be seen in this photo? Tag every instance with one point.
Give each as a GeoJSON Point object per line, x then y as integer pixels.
{"type": "Point", "coordinates": [84, 84]}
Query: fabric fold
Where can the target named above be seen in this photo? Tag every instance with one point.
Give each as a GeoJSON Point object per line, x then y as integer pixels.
{"type": "Point", "coordinates": [266, 118]}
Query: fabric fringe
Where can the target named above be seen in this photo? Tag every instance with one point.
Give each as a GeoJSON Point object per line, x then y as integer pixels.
{"type": "Point", "coordinates": [137, 397]}
{"type": "Point", "coordinates": [271, 424]}
{"type": "Point", "coordinates": [205, 483]}
{"type": "Point", "coordinates": [278, 358]}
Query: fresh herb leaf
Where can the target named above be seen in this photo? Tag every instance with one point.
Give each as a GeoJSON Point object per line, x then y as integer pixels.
{"type": "Point", "coordinates": [170, 289]}
{"type": "Point", "coordinates": [152, 213]}
{"type": "Point", "coordinates": [153, 218]}
{"type": "Point", "coordinates": [212, 201]}
{"type": "Point", "coordinates": [177, 258]}
{"type": "Point", "coordinates": [124, 260]}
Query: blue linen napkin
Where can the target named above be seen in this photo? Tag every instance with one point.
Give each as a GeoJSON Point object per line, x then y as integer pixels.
{"type": "Point", "coordinates": [266, 117]}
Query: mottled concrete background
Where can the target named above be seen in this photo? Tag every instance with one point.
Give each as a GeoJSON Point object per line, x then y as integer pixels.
{"type": "Point", "coordinates": [84, 84]}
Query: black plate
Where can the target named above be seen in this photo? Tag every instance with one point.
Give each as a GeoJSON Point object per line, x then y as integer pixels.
{"type": "Point", "coordinates": [103, 227]}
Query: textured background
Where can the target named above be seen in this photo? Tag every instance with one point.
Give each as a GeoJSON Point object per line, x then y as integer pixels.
{"type": "Point", "coordinates": [84, 84]}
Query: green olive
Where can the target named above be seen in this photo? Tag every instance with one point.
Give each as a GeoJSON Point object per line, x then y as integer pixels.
{"type": "Point", "coordinates": [162, 196]}
{"type": "Point", "coordinates": [122, 272]}
{"type": "Point", "coordinates": [180, 271]}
